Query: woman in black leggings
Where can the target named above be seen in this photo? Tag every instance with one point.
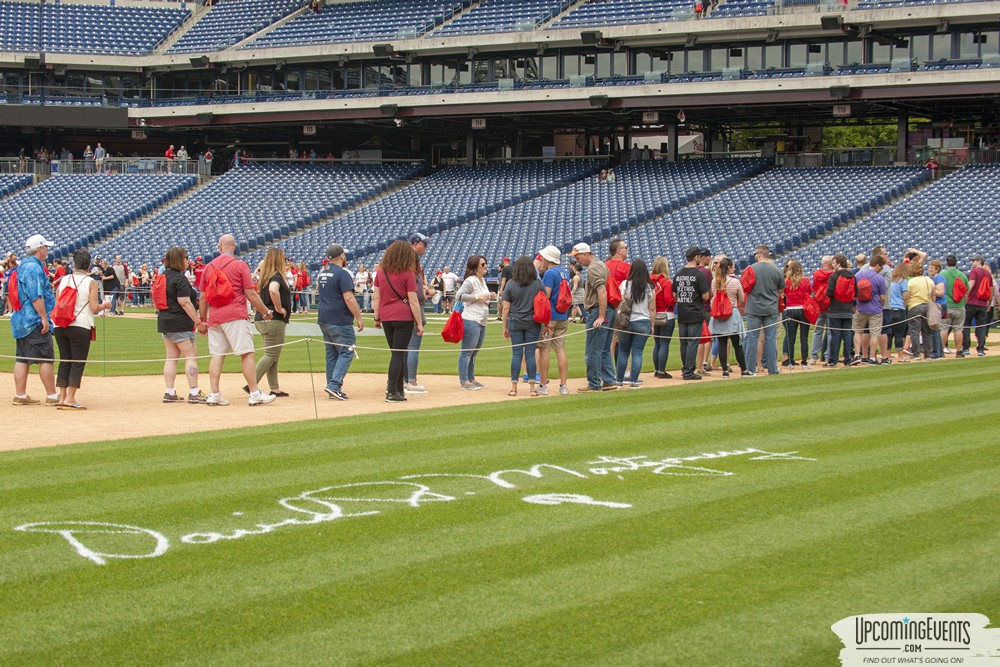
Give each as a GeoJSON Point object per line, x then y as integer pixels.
{"type": "Point", "coordinates": [397, 311]}
{"type": "Point", "coordinates": [74, 339]}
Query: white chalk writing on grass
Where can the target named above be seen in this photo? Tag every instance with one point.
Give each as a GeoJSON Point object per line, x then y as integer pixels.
{"type": "Point", "coordinates": [327, 504]}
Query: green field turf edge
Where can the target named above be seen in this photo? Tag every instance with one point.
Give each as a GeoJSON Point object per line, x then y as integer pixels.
{"type": "Point", "coordinates": [751, 568]}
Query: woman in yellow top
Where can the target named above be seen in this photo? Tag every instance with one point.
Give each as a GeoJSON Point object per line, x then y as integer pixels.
{"type": "Point", "coordinates": [921, 290]}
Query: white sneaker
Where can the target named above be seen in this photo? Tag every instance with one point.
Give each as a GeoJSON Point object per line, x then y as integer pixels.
{"type": "Point", "coordinates": [261, 399]}
{"type": "Point", "coordinates": [563, 390]}
{"type": "Point", "coordinates": [543, 390]}
{"type": "Point", "coordinates": [414, 388]}
{"type": "Point", "coordinates": [216, 399]}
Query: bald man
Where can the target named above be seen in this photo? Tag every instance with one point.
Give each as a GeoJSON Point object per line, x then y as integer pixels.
{"type": "Point", "coordinates": [224, 320]}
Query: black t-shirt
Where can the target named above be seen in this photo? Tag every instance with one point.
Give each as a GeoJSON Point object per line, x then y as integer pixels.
{"type": "Point", "coordinates": [286, 298]}
{"type": "Point", "coordinates": [113, 283]}
{"type": "Point", "coordinates": [507, 272]}
{"type": "Point", "coordinates": [174, 318]}
{"type": "Point", "coordinates": [689, 285]}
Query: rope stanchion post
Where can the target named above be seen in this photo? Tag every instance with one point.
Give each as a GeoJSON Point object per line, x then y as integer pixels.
{"type": "Point", "coordinates": [312, 380]}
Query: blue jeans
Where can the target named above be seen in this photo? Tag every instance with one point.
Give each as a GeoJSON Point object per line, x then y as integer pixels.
{"type": "Point", "coordinates": [413, 357]}
{"type": "Point", "coordinates": [840, 326]}
{"type": "Point", "coordinates": [339, 356]}
{"type": "Point", "coordinates": [661, 345]}
{"type": "Point", "coordinates": [475, 334]}
{"type": "Point", "coordinates": [597, 353]}
{"type": "Point", "coordinates": [632, 343]}
{"type": "Point", "coordinates": [770, 325]}
{"type": "Point", "coordinates": [523, 337]}
{"type": "Point", "coordinates": [820, 333]}
{"type": "Point", "coordinates": [937, 348]}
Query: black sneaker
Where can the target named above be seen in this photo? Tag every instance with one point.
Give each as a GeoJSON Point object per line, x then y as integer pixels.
{"type": "Point", "coordinates": [830, 364]}
{"type": "Point", "coordinates": [886, 362]}
{"type": "Point", "coordinates": [394, 398]}
{"type": "Point", "coordinates": [873, 362]}
{"type": "Point", "coordinates": [694, 376]}
{"type": "Point", "coordinates": [856, 361]}
{"type": "Point", "coordinates": [339, 395]}
{"type": "Point", "coordinates": [748, 374]}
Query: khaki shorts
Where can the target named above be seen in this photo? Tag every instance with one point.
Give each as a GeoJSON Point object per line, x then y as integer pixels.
{"type": "Point", "coordinates": [235, 337]}
{"type": "Point", "coordinates": [556, 340]}
{"type": "Point", "coordinates": [873, 321]}
{"type": "Point", "coordinates": [955, 319]}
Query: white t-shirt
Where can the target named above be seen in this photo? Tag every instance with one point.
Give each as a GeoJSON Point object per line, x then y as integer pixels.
{"type": "Point", "coordinates": [361, 281]}
{"type": "Point", "coordinates": [449, 281]}
{"type": "Point", "coordinates": [84, 318]}
{"type": "Point", "coordinates": [640, 309]}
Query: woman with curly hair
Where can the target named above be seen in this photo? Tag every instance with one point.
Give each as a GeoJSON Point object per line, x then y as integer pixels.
{"type": "Point", "coordinates": [397, 311]}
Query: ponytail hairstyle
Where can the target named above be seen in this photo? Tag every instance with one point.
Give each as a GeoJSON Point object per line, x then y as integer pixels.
{"type": "Point", "coordinates": [722, 272]}
{"type": "Point", "coordinates": [793, 272]}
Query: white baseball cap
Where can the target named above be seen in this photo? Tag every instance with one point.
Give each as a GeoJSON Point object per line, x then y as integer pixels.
{"type": "Point", "coordinates": [550, 253]}
{"type": "Point", "coordinates": [581, 249]}
{"type": "Point", "coordinates": [37, 241]}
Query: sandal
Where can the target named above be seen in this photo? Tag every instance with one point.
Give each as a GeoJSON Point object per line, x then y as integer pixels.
{"type": "Point", "coordinates": [533, 392]}
{"type": "Point", "coordinates": [70, 406]}
{"type": "Point", "coordinates": [512, 392]}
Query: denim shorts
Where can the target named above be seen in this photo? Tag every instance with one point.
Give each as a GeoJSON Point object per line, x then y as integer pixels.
{"type": "Point", "coordinates": [178, 336]}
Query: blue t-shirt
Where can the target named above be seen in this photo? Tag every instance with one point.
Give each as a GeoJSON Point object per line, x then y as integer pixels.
{"type": "Point", "coordinates": [331, 285]}
{"type": "Point", "coordinates": [939, 280]}
{"type": "Point", "coordinates": [32, 283]}
{"type": "Point", "coordinates": [552, 279]}
{"type": "Point", "coordinates": [896, 289]}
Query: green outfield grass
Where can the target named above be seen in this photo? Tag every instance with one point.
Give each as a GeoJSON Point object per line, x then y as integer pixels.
{"type": "Point", "coordinates": [890, 506]}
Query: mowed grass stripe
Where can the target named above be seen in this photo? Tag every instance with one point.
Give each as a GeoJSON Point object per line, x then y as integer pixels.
{"type": "Point", "coordinates": [406, 576]}
{"type": "Point", "coordinates": [260, 556]}
{"type": "Point", "coordinates": [476, 615]}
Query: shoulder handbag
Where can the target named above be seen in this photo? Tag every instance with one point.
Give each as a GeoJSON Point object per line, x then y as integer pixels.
{"type": "Point", "coordinates": [623, 314]}
{"type": "Point", "coordinates": [933, 311]}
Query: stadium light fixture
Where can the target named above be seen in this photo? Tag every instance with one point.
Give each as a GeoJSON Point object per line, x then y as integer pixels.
{"type": "Point", "coordinates": [200, 61]}
{"type": "Point", "coordinates": [943, 27]}
{"type": "Point", "coordinates": [382, 50]}
{"type": "Point", "coordinates": [205, 118]}
{"type": "Point", "coordinates": [834, 22]}
{"type": "Point", "coordinates": [389, 109]}
{"type": "Point", "coordinates": [599, 101]}
{"type": "Point", "coordinates": [591, 37]}
{"type": "Point", "coordinates": [840, 92]}
{"type": "Point", "coordinates": [772, 37]}
{"type": "Point", "coordinates": [691, 40]}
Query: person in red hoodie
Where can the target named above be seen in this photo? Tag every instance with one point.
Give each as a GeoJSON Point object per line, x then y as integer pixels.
{"type": "Point", "coordinates": [797, 288]}
{"type": "Point", "coordinates": [820, 280]}
{"type": "Point", "coordinates": [199, 269]}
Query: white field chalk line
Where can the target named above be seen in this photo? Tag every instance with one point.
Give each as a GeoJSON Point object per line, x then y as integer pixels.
{"type": "Point", "coordinates": [324, 505]}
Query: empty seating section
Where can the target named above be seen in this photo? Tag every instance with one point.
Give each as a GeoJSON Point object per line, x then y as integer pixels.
{"type": "Point", "coordinates": [256, 203]}
{"type": "Point", "coordinates": [588, 210]}
{"type": "Point", "coordinates": [619, 12]}
{"type": "Point", "coordinates": [231, 21]}
{"type": "Point", "coordinates": [361, 21]}
{"type": "Point", "coordinates": [11, 183]}
{"type": "Point", "coordinates": [738, 8]}
{"type": "Point", "coordinates": [76, 211]}
{"type": "Point", "coordinates": [449, 197]}
{"type": "Point", "coordinates": [956, 215]}
{"type": "Point", "coordinates": [502, 16]}
{"type": "Point", "coordinates": [782, 208]}
{"type": "Point", "coordinates": [69, 28]}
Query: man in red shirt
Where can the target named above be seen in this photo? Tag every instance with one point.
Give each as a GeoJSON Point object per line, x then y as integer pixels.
{"type": "Point", "coordinates": [170, 155]}
{"type": "Point", "coordinates": [226, 324]}
{"type": "Point", "coordinates": [617, 266]}
{"type": "Point", "coordinates": [820, 280]}
{"type": "Point", "coordinates": [976, 308]}
{"type": "Point", "coordinates": [199, 270]}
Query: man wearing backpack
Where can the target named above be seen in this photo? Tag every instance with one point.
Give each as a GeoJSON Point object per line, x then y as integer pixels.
{"type": "Point", "coordinates": [554, 333]}
{"type": "Point", "coordinates": [30, 324]}
{"type": "Point", "coordinates": [841, 290]}
{"type": "Point", "coordinates": [597, 350]}
{"type": "Point", "coordinates": [227, 286]}
{"type": "Point", "coordinates": [977, 305]}
{"type": "Point", "coordinates": [956, 288]}
{"type": "Point", "coordinates": [873, 294]}
{"type": "Point", "coordinates": [762, 311]}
